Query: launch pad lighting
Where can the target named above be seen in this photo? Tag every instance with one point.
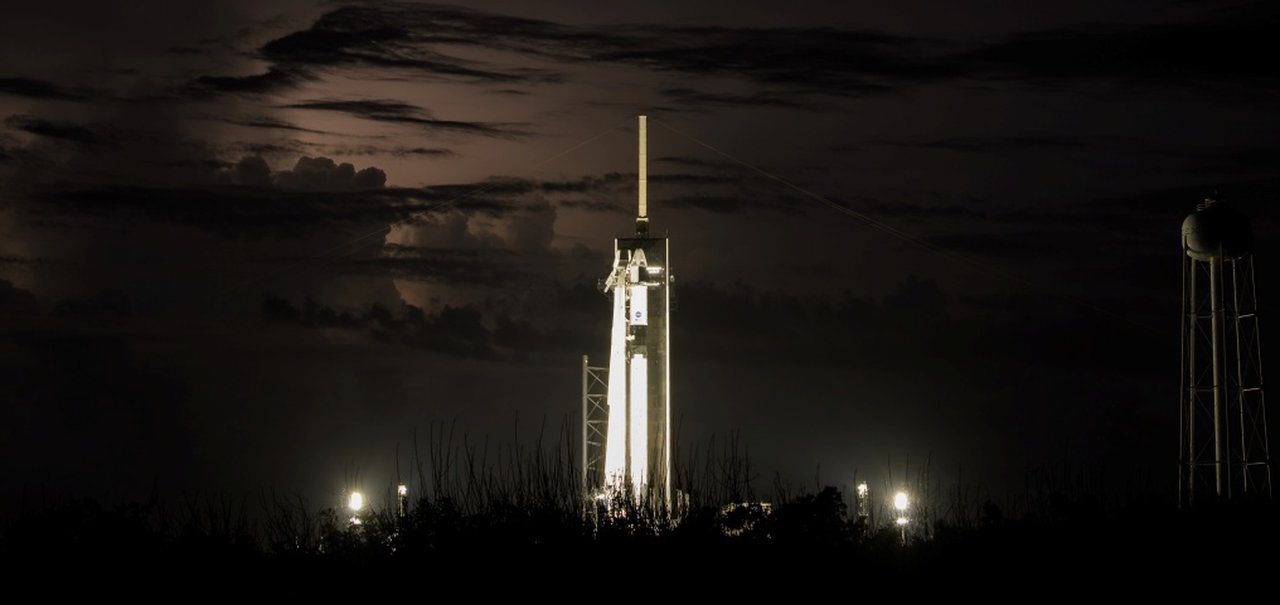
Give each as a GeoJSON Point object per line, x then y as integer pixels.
{"type": "Point", "coordinates": [402, 490]}
{"type": "Point", "coordinates": [900, 503]}
{"type": "Point", "coordinates": [862, 489]}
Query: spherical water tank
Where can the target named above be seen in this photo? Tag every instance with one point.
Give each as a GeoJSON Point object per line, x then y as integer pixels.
{"type": "Point", "coordinates": [1216, 230]}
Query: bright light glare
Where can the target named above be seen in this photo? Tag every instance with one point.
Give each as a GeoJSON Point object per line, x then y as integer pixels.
{"type": "Point", "coordinates": [900, 501]}
{"type": "Point", "coordinates": [402, 490]}
{"type": "Point", "coordinates": [615, 458]}
{"type": "Point", "coordinates": [902, 520]}
{"type": "Point", "coordinates": [639, 422]}
{"type": "Point", "coordinates": [862, 489]}
{"type": "Point", "coordinates": [356, 502]}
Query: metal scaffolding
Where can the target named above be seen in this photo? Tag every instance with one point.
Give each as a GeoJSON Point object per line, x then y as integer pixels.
{"type": "Point", "coordinates": [595, 421]}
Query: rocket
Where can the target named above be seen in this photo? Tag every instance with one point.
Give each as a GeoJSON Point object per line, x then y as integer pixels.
{"type": "Point", "coordinates": [637, 443]}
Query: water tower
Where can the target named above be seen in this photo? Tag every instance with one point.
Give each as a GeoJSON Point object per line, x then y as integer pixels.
{"type": "Point", "coordinates": [1224, 452]}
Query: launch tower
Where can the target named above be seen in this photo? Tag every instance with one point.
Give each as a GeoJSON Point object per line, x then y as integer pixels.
{"type": "Point", "coordinates": [635, 445]}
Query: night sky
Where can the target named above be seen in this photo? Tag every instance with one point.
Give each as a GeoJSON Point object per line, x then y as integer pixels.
{"type": "Point", "coordinates": [255, 245]}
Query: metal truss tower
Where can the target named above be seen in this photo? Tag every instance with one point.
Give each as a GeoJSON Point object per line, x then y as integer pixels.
{"type": "Point", "coordinates": [595, 423]}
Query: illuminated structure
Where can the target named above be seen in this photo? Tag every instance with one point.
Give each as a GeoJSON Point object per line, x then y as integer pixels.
{"type": "Point", "coordinates": [626, 441]}
{"type": "Point", "coordinates": [900, 505]}
{"type": "Point", "coordinates": [355, 504]}
{"type": "Point", "coordinates": [1224, 451]}
{"type": "Point", "coordinates": [864, 505]}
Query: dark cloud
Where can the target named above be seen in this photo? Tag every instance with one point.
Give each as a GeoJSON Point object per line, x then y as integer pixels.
{"type": "Point", "coordinates": [972, 210]}
{"type": "Point", "coordinates": [309, 174]}
{"type": "Point", "coordinates": [270, 81]}
{"type": "Point", "coordinates": [1240, 161]}
{"type": "Point", "coordinates": [205, 164]}
{"type": "Point", "coordinates": [253, 171]}
{"type": "Point", "coordinates": [323, 174]}
{"type": "Point", "coordinates": [394, 36]}
{"type": "Point", "coordinates": [234, 209]}
{"type": "Point", "coordinates": [15, 300]}
{"type": "Point", "coordinates": [1225, 49]}
{"type": "Point", "coordinates": [687, 97]}
{"type": "Point", "coordinates": [111, 304]}
{"type": "Point", "coordinates": [597, 206]}
{"type": "Point", "coordinates": [492, 267]}
{"type": "Point", "coordinates": [457, 331]}
{"type": "Point", "coordinates": [432, 152]}
{"type": "Point", "coordinates": [269, 123]}
{"type": "Point", "coordinates": [1084, 217]}
{"type": "Point", "coordinates": [914, 325]}
{"type": "Point", "coordinates": [407, 36]}
{"type": "Point", "coordinates": [234, 39]}
{"type": "Point", "coordinates": [404, 113]}
{"type": "Point", "coordinates": [728, 192]}
{"type": "Point", "coordinates": [1228, 52]}
{"type": "Point", "coordinates": [37, 89]}
{"type": "Point", "coordinates": [185, 50]}
{"type": "Point", "coordinates": [273, 149]}
{"type": "Point", "coordinates": [739, 195]}
{"type": "Point", "coordinates": [251, 197]}
{"type": "Point", "coordinates": [999, 246]}
{"type": "Point", "coordinates": [366, 108]}
{"type": "Point", "coordinates": [828, 61]}
{"type": "Point", "coordinates": [1158, 201]}
{"type": "Point", "coordinates": [693, 162]}
{"type": "Point", "coordinates": [692, 179]}
{"type": "Point", "coordinates": [512, 186]}
{"type": "Point", "coordinates": [995, 144]}
{"type": "Point", "coordinates": [721, 204]}
{"type": "Point", "coordinates": [52, 129]}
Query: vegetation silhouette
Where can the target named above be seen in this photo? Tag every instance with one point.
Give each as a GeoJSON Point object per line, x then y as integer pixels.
{"type": "Point", "coordinates": [524, 504]}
